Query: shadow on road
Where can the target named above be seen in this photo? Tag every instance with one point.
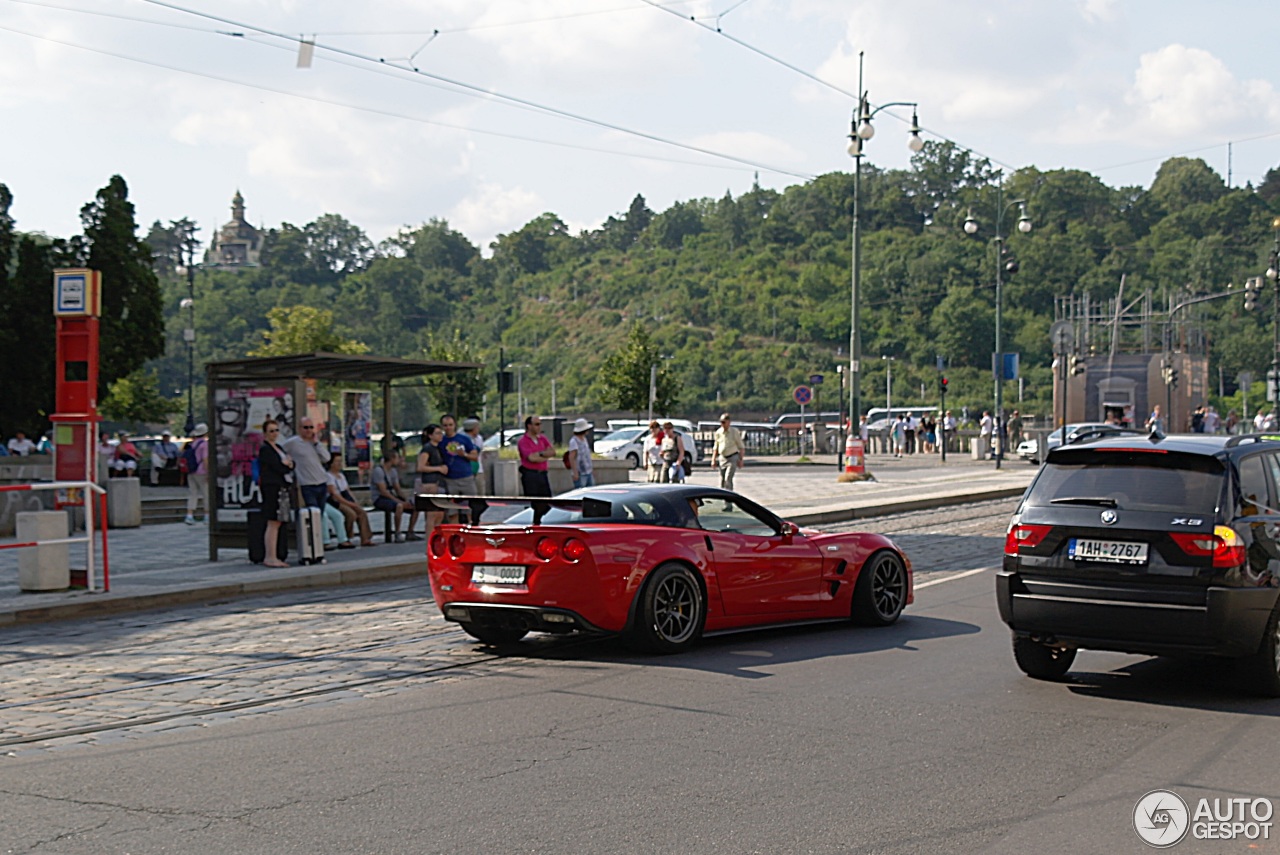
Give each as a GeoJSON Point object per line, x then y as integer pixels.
{"type": "Point", "coordinates": [1205, 684]}
{"type": "Point", "coordinates": [744, 654]}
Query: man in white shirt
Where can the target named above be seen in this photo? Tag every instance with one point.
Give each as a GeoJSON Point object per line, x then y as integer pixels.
{"type": "Point", "coordinates": [20, 445]}
{"type": "Point", "coordinates": [985, 424]}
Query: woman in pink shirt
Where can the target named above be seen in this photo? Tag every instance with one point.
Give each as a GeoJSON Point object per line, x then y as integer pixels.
{"type": "Point", "coordinates": [535, 450]}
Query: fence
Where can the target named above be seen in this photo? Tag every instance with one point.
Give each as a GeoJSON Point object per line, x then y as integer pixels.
{"type": "Point", "coordinates": [77, 494]}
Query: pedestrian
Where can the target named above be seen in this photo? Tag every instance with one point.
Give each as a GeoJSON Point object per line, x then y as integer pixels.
{"type": "Point", "coordinates": [198, 475]}
{"type": "Point", "coordinates": [1232, 420]}
{"type": "Point", "coordinates": [653, 452]}
{"type": "Point", "coordinates": [1015, 429]}
{"type": "Point", "coordinates": [20, 446]}
{"type": "Point", "coordinates": [673, 454]}
{"type": "Point", "coordinates": [430, 475]}
{"type": "Point", "coordinates": [471, 427]}
{"type": "Point", "coordinates": [275, 474]}
{"type": "Point", "coordinates": [728, 451]}
{"type": "Point", "coordinates": [949, 425]}
{"type": "Point", "coordinates": [310, 458]}
{"type": "Point", "coordinates": [388, 495]}
{"type": "Point", "coordinates": [535, 450]}
{"type": "Point", "coordinates": [125, 463]}
{"type": "Point", "coordinates": [1155, 422]}
{"type": "Point", "coordinates": [1212, 421]}
{"type": "Point", "coordinates": [985, 425]}
{"type": "Point", "coordinates": [580, 455]}
{"type": "Point", "coordinates": [1197, 419]}
{"type": "Point", "coordinates": [898, 435]}
{"type": "Point", "coordinates": [909, 426]}
{"type": "Point", "coordinates": [341, 497]}
{"type": "Point", "coordinates": [459, 452]}
{"type": "Point", "coordinates": [164, 455]}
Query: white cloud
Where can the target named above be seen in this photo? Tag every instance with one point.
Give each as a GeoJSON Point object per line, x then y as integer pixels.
{"type": "Point", "coordinates": [491, 209]}
{"type": "Point", "coordinates": [1187, 92]}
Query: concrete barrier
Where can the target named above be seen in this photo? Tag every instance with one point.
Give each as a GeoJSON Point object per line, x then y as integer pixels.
{"type": "Point", "coordinates": [43, 568]}
{"type": "Point", "coordinates": [124, 502]}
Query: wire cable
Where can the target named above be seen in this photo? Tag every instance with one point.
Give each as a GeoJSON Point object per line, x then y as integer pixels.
{"type": "Point", "coordinates": [473, 90]}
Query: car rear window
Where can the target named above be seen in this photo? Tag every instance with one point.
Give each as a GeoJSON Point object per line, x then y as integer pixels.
{"type": "Point", "coordinates": [1135, 480]}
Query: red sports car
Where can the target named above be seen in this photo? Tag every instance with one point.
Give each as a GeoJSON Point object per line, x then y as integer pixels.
{"type": "Point", "coordinates": [658, 564]}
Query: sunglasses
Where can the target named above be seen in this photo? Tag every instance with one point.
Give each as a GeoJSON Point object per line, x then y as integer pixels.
{"type": "Point", "coordinates": [273, 430]}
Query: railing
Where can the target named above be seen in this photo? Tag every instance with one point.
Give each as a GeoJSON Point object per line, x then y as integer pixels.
{"type": "Point", "coordinates": [73, 490]}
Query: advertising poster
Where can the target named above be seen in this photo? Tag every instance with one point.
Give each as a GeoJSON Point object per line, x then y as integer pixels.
{"type": "Point", "coordinates": [357, 423]}
{"type": "Point", "coordinates": [237, 436]}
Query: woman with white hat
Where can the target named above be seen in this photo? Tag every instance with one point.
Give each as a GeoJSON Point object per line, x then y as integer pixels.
{"type": "Point", "coordinates": [579, 462]}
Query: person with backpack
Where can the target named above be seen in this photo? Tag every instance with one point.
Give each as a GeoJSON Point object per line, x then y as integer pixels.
{"type": "Point", "coordinates": [195, 459]}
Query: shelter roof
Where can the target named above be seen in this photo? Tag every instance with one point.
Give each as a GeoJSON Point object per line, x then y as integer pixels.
{"type": "Point", "coordinates": [355, 368]}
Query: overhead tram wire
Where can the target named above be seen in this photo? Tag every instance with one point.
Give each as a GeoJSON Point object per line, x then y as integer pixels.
{"type": "Point", "coordinates": [477, 91]}
{"type": "Point", "coordinates": [362, 108]}
{"type": "Point", "coordinates": [809, 75]}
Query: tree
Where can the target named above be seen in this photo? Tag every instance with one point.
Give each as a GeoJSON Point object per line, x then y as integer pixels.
{"type": "Point", "coordinates": [29, 340]}
{"type": "Point", "coordinates": [624, 376]}
{"type": "Point", "coordinates": [459, 392]}
{"type": "Point", "coordinates": [136, 399]}
{"type": "Point", "coordinates": [1183, 181]}
{"type": "Point", "coordinates": [132, 325]}
{"type": "Point", "coordinates": [304, 329]}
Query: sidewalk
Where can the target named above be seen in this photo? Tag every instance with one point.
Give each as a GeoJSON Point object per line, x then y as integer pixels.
{"type": "Point", "coordinates": [164, 565]}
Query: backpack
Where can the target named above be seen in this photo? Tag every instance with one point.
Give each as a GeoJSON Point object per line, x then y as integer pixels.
{"type": "Point", "coordinates": [565, 459]}
{"type": "Point", "coordinates": [189, 461]}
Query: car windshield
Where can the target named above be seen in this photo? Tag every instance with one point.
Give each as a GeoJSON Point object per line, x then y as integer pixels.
{"type": "Point", "coordinates": [654, 509]}
{"type": "Point", "coordinates": [1132, 480]}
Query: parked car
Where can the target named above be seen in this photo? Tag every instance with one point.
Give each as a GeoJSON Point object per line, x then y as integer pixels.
{"type": "Point", "coordinates": [1029, 449]}
{"type": "Point", "coordinates": [698, 560]}
{"type": "Point", "coordinates": [512, 434]}
{"type": "Point", "coordinates": [628, 444]}
{"type": "Point", "coordinates": [1152, 545]}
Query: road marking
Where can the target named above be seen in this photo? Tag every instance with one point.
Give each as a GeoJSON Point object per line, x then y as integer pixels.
{"type": "Point", "coordinates": [953, 577]}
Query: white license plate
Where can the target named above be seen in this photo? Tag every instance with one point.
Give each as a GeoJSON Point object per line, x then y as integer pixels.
{"type": "Point", "coordinates": [1114, 551]}
{"type": "Point", "coordinates": [497, 574]}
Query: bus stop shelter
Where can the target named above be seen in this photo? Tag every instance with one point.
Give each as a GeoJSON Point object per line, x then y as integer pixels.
{"type": "Point", "coordinates": [242, 393]}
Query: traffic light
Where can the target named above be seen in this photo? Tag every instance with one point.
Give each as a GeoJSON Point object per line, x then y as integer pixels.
{"type": "Point", "coordinates": [942, 385]}
{"type": "Point", "coordinates": [1252, 286]}
{"type": "Point", "coordinates": [1170, 375]}
{"type": "Point", "coordinates": [1078, 365]}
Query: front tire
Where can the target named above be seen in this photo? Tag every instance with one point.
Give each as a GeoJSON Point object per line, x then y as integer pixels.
{"type": "Point", "coordinates": [1263, 668]}
{"type": "Point", "coordinates": [634, 460]}
{"type": "Point", "coordinates": [671, 611]}
{"type": "Point", "coordinates": [881, 590]}
{"type": "Point", "coordinates": [495, 635]}
{"type": "Point", "coordinates": [1040, 660]}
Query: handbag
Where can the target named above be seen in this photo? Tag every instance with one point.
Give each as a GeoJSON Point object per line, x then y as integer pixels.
{"type": "Point", "coordinates": [284, 509]}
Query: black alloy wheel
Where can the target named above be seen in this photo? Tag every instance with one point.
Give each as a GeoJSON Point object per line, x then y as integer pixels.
{"type": "Point", "coordinates": [1040, 660]}
{"type": "Point", "coordinates": [881, 590]}
{"type": "Point", "coordinates": [671, 611]}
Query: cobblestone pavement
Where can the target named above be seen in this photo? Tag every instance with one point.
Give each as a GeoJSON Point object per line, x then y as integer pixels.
{"type": "Point", "coordinates": [90, 682]}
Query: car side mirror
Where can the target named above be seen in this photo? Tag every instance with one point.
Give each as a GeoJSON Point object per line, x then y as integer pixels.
{"type": "Point", "coordinates": [789, 530]}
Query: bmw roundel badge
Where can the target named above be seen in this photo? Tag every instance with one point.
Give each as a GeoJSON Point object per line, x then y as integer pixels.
{"type": "Point", "coordinates": [1109, 517]}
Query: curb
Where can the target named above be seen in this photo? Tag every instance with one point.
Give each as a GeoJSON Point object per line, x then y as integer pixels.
{"type": "Point", "coordinates": [835, 515]}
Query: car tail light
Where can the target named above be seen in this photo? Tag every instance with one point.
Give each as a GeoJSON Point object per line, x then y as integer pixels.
{"type": "Point", "coordinates": [1223, 545]}
{"type": "Point", "coordinates": [438, 544]}
{"type": "Point", "coordinates": [546, 548]}
{"type": "Point", "coordinates": [574, 549]}
{"type": "Point", "coordinates": [457, 545]}
{"type": "Point", "coordinates": [1024, 536]}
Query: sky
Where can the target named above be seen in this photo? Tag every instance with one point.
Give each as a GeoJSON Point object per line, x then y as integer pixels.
{"type": "Point", "coordinates": [487, 113]}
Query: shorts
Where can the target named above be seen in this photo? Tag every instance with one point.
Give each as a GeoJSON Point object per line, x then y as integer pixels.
{"type": "Point", "coordinates": [382, 503]}
{"type": "Point", "coordinates": [460, 486]}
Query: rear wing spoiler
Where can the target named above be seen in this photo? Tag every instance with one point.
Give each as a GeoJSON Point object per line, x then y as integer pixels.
{"type": "Point", "coordinates": [590, 508]}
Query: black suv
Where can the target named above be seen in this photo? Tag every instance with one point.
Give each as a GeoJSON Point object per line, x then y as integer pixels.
{"type": "Point", "coordinates": [1152, 545]}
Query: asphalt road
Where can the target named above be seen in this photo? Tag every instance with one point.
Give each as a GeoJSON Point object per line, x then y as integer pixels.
{"type": "Point", "coordinates": [353, 721]}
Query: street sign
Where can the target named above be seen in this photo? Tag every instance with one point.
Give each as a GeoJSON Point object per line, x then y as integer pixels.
{"type": "Point", "coordinates": [802, 395]}
{"type": "Point", "coordinates": [815, 379]}
{"type": "Point", "coordinates": [1062, 336]}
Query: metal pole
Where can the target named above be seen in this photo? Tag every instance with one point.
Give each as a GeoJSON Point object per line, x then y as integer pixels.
{"type": "Point", "coordinates": [855, 340]}
{"type": "Point", "coordinates": [653, 387]}
{"type": "Point", "coordinates": [999, 366]}
{"type": "Point", "coordinates": [190, 336]}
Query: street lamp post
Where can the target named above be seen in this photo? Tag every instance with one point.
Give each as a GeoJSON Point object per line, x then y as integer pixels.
{"type": "Point", "coordinates": [189, 335]}
{"type": "Point", "coordinates": [1273, 274]}
{"type": "Point", "coordinates": [1002, 265]}
{"type": "Point", "coordinates": [861, 130]}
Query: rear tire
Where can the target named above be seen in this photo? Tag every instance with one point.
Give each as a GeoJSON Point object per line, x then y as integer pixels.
{"type": "Point", "coordinates": [671, 611]}
{"type": "Point", "coordinates": [880, 593]}
{"type": "Point", "coordinates": [493, 634]}
{"type": "Point", "coordinates": [1262, 669]}
{"type": "Point", "coordinates": [1040, 660]}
